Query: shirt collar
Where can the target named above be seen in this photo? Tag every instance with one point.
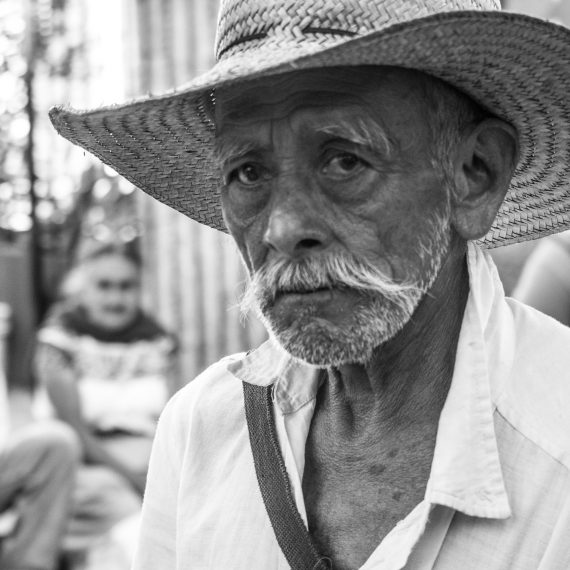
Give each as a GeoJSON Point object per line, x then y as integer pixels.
{"type": "Point", "coordinates": [295, 382]}
{"type": "Point", "coordinates": [466, 472]}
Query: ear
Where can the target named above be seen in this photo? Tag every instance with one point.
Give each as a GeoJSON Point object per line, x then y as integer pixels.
{"type": "Point", "coordinates": [484, 165]}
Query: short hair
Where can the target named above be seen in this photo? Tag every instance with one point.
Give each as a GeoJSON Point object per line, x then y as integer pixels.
{"type": "Point", "coordinates": [450, 113]}
{"type": "Point", "coordinates": [128, 251]}
{"type": "Point", "coordinates": [73, 282]}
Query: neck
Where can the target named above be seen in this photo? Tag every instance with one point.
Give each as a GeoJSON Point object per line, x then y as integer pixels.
{"type": "Point", "coordinates": [408, 377]}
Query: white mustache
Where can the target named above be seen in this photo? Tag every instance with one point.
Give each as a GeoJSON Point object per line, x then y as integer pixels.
{"type": "Point", "coordinates": [332, 271]}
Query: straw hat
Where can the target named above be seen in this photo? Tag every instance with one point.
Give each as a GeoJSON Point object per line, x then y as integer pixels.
{"type": "Point", "coordinates": [515, 66]}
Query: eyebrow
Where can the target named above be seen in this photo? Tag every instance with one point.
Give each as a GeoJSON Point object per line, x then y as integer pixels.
{"type": "Point", "coordinates": [355, 130]}
{"type": "Point", "coordinates": [368, 134]}
{"type": "Point", "coordinates": [228, 148]}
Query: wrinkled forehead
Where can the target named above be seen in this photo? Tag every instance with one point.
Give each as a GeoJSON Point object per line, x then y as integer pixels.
{"type": "Point", "coordinates": [340, 86]}
{"type": "Point", "coordinates": [378, 106]}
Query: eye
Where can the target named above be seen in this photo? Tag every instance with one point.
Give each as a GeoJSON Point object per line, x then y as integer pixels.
{"type": "Point", "coordinates": [104, 284]}
{"type": "Point", "coordinates": [247, 174]}
{"type": "Point", "coordinates": [343, 164]}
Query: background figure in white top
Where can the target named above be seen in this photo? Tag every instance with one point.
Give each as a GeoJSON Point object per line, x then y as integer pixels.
{"type": "Point", "coordinates": [105, 367]}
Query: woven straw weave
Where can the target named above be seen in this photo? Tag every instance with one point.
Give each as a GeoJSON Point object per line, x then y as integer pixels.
{"type": "Point", "coordinates": [515, 66]}
{"type": "Point", "coordinates": [240, 20]}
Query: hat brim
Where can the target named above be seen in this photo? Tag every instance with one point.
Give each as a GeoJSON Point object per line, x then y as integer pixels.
{"type": "Point", "coordinates": [515, 66]}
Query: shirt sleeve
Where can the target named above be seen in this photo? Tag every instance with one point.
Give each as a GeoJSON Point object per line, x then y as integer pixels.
{"type": "Point", "coordinates": [51, 362]}
{"type": "Point", "coordinates": [156, 546]}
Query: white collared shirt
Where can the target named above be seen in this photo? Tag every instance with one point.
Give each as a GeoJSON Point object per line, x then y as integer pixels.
{"type": "Point", "coordinates": [498, 495]}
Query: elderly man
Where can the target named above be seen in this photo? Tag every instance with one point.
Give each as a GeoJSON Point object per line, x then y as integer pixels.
{"type": "Point", "coordinates": [403, 414]}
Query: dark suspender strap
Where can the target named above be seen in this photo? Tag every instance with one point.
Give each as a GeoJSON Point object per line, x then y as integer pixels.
{"type": "Point", "coordinates": [290, 531]}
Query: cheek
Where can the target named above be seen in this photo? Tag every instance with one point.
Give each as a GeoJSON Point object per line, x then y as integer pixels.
{"type": "Point", "coordinates": [241, 207]}
{"type": "Point", "coordinates": [132, 300]}
{"type": "Point", "coordinates": [92, 299]}
{"type": "Point", "coordinates": [247, 229]}
{"type": "Point", "coordinates": [387, 234]}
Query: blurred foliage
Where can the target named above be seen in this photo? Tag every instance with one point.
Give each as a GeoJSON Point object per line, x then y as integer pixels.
{"type": "Point", "coordinates": [102, 212]}
{"type": "Point", "coordinates": [15, 206]}
{"type": "Point", "coordinates": [33, 34]}
{"type": "Point", "coordinates": [45, 185]}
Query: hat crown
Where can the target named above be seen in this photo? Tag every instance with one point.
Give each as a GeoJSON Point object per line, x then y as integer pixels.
{"type": "Point", "coordinates": [242, 24]}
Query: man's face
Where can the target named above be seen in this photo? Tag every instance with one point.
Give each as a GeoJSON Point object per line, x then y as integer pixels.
{"type": "Point", "coordinates": [331, 194]}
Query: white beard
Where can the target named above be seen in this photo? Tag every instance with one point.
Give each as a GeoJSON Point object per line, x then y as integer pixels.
{"type": "Point", "coordinates": [383, 309]}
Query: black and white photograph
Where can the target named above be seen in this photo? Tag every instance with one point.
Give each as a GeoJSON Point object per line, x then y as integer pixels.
{"type": "Point", "coordinates": [284, 285]}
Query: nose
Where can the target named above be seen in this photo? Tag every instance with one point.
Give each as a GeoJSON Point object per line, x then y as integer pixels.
{"type": "Point", "coordinates": [114, 296]}
{"type": "Point", "coordinates": [295, 228]}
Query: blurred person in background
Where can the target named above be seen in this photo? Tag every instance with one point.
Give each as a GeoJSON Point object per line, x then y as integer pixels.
{"type": "Point", "coordinates": [545, 279]}
{"type": "Point", "coordinates": [38, 464]}
{"type": "Point", "coordinates": [106, 368]}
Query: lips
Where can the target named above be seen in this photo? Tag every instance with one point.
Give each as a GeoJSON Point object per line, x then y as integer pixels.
{"type": "Point", "coordinates": [302, 291]}
{"type": "Point", "coordinates": [302, 296]}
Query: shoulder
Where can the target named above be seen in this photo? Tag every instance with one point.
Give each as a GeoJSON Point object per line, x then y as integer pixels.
{"type": "Point", "coordinates": [57, 331]}
{"type": "Point", "coordinates": [215, 396]}
{"type": "Point", "coordinates": [542, 343]}
{"type": "Point", "coordinates": [535, 398]}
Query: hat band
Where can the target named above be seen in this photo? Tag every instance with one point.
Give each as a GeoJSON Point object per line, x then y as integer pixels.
{"type": "Point", "coordinates": [308, 30]}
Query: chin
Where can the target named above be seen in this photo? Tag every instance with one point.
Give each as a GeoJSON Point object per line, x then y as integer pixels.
{"type": "Point", "coordinates": [320, 342]}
